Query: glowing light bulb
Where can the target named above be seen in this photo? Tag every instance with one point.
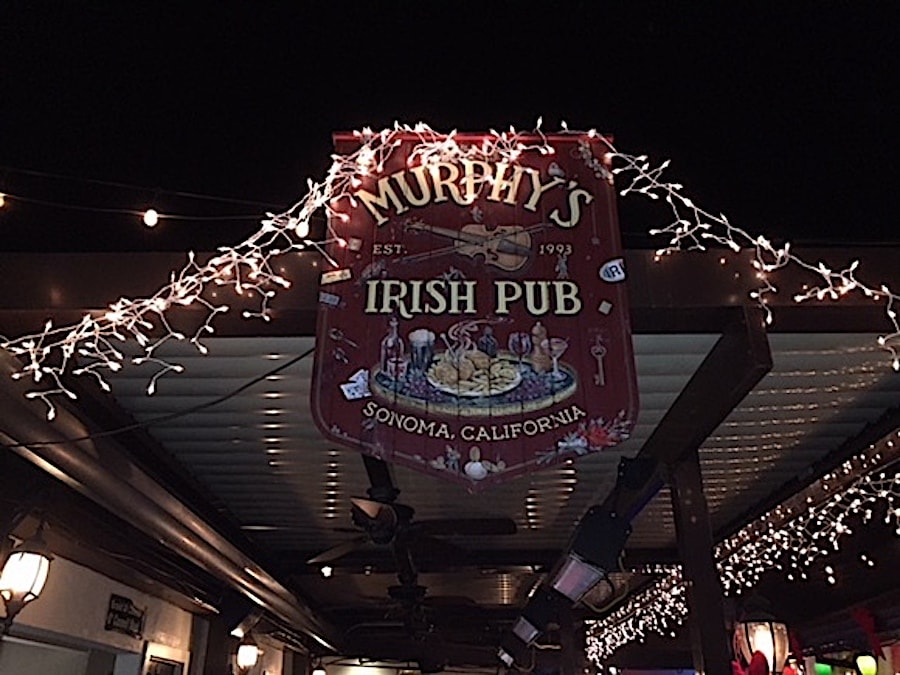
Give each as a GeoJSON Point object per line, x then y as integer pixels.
{"type": "Point", "coordinates": [151, 217]}
{"type": "Point", "coordinates": [2, 200]}
{"type": "Point", "coordinates": [247, 655]}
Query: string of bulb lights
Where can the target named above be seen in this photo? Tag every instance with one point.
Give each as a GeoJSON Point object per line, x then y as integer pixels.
{"type": "Point", "coordinates": [790, 538]}
{"type": "Point", "coordinates": [247, 268]}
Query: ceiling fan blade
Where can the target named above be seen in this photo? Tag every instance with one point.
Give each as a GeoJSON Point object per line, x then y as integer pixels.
{"type": "Point", "coordinates": [432, 550]}
{"type": "Point", "coordinates": [379, 520]}
{"type": "Point", "coordinates": [370, 508]}
{"type": "Point", "coordinates": [338, 551]}
{"type": "Point", "coordinates": [466, 526]}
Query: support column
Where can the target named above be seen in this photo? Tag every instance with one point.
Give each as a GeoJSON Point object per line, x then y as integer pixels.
{"type": "Point", "coordinates": [571, 641]}
{"type": "Point", "coordinates": [217, 648]}
{"type": "Point", "coordinates": [710, 644]}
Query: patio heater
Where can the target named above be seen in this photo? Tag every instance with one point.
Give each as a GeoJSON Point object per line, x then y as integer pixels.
{"type": "Point", "coordinates": [599, 539]}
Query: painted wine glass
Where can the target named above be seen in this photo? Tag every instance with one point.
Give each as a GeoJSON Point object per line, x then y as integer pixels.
{"type": "Point", "coordinates": [555, 347]}
{"type": "Point", "coordinates": [519, 345]}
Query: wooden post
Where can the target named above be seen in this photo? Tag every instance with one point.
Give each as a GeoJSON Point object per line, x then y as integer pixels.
{"type": "Point", "coordinates": [571, 642]}
{"type": "Point", "coordinates": [710, 644]}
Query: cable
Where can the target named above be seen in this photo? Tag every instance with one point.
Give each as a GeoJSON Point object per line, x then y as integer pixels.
{"type": "Point", "coordinates": [124, 212]}
{"type": "Point", "coordinates": [126, 186]}
{"type": "Point", "coordinates": [155, 421]}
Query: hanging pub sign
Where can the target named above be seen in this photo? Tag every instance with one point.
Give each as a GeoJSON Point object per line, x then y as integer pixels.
{"type": "Point", "coordinates": [476, 323]}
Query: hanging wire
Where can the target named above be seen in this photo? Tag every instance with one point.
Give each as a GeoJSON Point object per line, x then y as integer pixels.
{"type": "Point", "coordinates": [162, 419]}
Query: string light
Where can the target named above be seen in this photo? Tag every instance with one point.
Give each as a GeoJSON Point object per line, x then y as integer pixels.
{"type": "Point", "coordinates": [151, 217]}
{"type": "Point", "coordinates": [693, 228]}
{"type": "Point", "coordinates": [131, 212]}
{"type": "Point", "coordinates": [661, 607]}
{"type": "Point", "coordinates": [796, 534]}
{"type": "Point", "coordinates": [790, 538]}
{"type": "Point", "coordinates": [247, 268]}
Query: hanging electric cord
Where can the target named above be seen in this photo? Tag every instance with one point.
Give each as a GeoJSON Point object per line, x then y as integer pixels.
{"type": "Point", "coordinates": [162, 419]}
{"type": "Point", "coordinates": [614, 600]}
{"type": "Point", "coordinates": [530, 668]}
{"type": "Point", "coordinates": [126, 212]}
{"type": "Point", "coordinates": [50, 203]}
{"type": "Point", "coordinates": [7, 170]}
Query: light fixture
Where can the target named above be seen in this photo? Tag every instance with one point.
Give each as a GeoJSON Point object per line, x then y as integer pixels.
{"type": "Point", "coordinates": [247, 654]}
{"type": "Point", "coordinates": [318, 668]}
{"type": "Point", "coordinates": [248, 623]}
{"type": "Point", "coordinates": [759, 631]}
{"type": "Point", "coordinates": [595, 550]}
{"type": "Point", "coordinates": [23, 576]}
{"type": "Point", "coordinates": [866, 664]}
{"type": "Point", "coordinates": [151, 218]}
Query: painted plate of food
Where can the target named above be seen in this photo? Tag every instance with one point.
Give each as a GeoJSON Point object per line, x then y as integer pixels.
{"type": "Point", "coordinates": [472, 374]}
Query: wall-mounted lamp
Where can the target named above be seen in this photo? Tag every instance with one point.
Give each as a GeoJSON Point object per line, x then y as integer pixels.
{"type": "Point", "coordinates": [759, 631]}
{"type": "Point", "coordinates": [247, 654]}
{"type": "Point", "coordinates": [23, 576]}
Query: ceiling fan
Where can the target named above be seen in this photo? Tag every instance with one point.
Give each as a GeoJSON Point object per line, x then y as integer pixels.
{"type": "Point", "coordinates": [380, 519]}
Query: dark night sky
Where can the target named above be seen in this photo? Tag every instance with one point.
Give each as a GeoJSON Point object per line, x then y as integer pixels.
{"type": "Point", "coordinates": [782, 116]}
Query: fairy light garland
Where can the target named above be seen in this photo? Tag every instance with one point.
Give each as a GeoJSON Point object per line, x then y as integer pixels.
{"type": "Point", "coordinates": [789, 538]}
{"type": "Point", "coordinates": [798, 533]}
{"type": "Point", "coordinates": [89, 348]}
{"type": "Point", "coordinates": [694, 228]}
{"type": "Point", "coordinates": [659, 608]}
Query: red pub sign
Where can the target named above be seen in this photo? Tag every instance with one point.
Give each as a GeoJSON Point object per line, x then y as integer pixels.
{"type": "Point", "coordinates": [476, 326]}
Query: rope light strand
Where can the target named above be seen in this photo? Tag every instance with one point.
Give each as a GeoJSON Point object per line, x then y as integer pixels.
{"type": "Point", "coordinates": [247, 267]}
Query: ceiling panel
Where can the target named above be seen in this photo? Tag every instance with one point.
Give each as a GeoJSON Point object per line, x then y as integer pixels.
{"type": "Point", "coordinates": [259, 453]}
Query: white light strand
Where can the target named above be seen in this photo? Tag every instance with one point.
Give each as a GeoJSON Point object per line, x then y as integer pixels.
{"type": "Point", "coordinates": [247, 267]}
{"type": "Point", "coordinates": [791, 540]}
{"type": "Point", "coordinates": [693, 228]}
{"type": "Point", "coordinates": [659, 608]}
{"type": "Point", "coordinates": [784, 539]}
{"type": "Point", "coordinates": [90, 347]}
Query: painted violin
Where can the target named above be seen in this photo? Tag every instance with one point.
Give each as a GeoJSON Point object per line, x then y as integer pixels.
{"type": "Point", "coordinates": [507, 247]}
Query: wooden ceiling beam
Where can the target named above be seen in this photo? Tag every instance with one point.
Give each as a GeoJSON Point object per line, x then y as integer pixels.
{"type": "Point", "coordinates": [98, 469]}
{"type": "Point", "coordinates": [691, 292]}
{"type": "Point", "coordinates": [734, 366]}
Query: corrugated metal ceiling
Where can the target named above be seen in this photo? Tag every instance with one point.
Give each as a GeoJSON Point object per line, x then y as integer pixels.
{"type": "Point", "coordinates": [261, 456]}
